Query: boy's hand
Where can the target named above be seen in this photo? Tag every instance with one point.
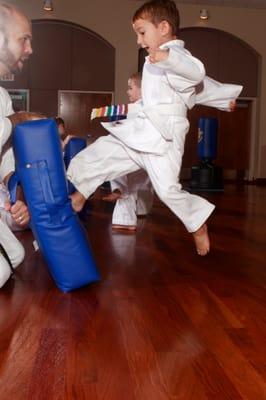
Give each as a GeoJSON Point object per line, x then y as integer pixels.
{"type": "Point", "coordinates": [232, 105]}
{"type": "Point", "coordinates": [158, 55]}
{"type": "Point", "coordinates": [66, 140]}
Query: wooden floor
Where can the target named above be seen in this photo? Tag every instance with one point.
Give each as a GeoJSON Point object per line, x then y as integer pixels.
{"type": "Point", "coordinates": [162, 324]}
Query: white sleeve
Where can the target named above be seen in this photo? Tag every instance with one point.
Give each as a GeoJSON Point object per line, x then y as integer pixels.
{"type": "Point", "coordinates": [5, 131]}
{"type": "Point", "coordinates": [5, 110]}
{"type": "Point", "coordinates": [215, 94]}
{"type": "Point", "coordinates": [183, 72]}
{"type": "Point", "coordinates": [180, 62]}
{"type": "Point", "coordinates": [7, 164]}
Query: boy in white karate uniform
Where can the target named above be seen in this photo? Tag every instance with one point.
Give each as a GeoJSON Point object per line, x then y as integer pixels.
{"type": "Point", "coordinates": [133, 193]}
{"type": "Point", "coordinates": [154, 139]}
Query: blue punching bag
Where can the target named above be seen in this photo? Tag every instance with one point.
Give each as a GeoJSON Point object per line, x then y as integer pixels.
{"type": "Point", "coordinates": [41, 172]}
{"type": "Point", "coordinates": [206, 176]}
{"type": "Point", "coordinates": [207, 138]}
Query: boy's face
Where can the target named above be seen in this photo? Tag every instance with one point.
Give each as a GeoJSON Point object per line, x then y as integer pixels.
{"type": "Point", "coordinates": [149, 36]}
{"type": "Point", "coordinates": [61, 129]}
{"type": "Point", "coordinates": [133, 91]}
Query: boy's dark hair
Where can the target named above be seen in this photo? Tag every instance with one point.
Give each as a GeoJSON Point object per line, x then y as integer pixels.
{"type": "Point", "coordinates": [136, 77]}
{"type": "Point", "coordinates": [159, 10]}
{"type": "Point", "coordinates": [59, 121]}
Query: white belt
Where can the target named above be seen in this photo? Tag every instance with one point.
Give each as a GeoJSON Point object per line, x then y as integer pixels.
{"type": "Point", "coordinates": [175, 109]}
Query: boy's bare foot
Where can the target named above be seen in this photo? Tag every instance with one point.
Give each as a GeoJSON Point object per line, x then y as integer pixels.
{"type": "Point", "coordinates": [78, 201]}
{"type": "Point", "coordinates": [202, 240]}
{"type": "Point", "coordinates": [115, 195]}
{"type": "Point", "coordinates": [130, 228]}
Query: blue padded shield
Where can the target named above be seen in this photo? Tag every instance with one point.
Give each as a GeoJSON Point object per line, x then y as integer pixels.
{"type": "Point", "coordinates": [73, 147]}
{"type": "Point", "coordinates": [41, 172]}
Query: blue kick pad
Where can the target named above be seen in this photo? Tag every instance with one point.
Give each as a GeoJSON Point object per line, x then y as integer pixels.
{"type": "Point", "coordinates": [41, 172]}
{"type": "Point", "coordinates": [73, 147]}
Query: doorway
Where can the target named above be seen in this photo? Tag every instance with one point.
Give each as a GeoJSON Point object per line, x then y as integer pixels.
{"type": "Point", "coordinates": [75, 108]}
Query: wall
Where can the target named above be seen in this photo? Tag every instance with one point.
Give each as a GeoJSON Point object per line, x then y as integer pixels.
{"type": "Point", "coordinates": [112, 20]}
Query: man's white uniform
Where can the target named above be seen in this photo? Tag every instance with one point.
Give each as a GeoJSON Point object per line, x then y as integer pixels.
{"type": "Point", "coordinates": [11, 245]}
{"type": "Point", "coordinates": [153, 140]}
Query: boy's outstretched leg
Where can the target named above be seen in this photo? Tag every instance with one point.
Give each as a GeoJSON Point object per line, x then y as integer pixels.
{"type": "Point", "coordinates": [78, 201]}
{"type": "Point", "coordinates": [202, 240]}
{"type": "Point", "coordinates": [112, 197]}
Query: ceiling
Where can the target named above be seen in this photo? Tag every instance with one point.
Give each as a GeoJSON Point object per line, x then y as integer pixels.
{"type": "Point", "coordinates": [228, 3]}
{"type": "Point", "coordinates": [255, 4]}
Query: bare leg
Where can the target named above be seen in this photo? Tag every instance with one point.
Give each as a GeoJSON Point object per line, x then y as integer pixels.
{"type": "Point", "coordinates": [116, 194]}
{"type": "Point", "coordinates": [202, 240]}
{"type": "Point", "coordinates": [78, 201]}
{"type": "Point", "coordinates": [129, 228]}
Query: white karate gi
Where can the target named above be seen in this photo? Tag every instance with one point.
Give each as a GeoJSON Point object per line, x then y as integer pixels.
{"type": "Point", "coordinates": [136, 200]}
{"type": "Point", "coordinates": [153, 140]}
{"type": "Point", "coordinates": [12, 246]}
{"type": "Point", "coordinates": [215, 94]}
{"type": "Point", "coordinates": [136, 189]}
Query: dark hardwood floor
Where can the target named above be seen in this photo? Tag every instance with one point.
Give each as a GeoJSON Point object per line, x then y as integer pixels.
{"type": "Point", "coordinates": [162, 324]}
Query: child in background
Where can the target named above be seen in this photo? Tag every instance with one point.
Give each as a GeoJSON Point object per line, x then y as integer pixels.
{"type": "Point", "coordinates": [154, 139]}
{"type": "Point", "coordinates": [133, 193]}
{"type": "Point", "coordinates": [62, 131]}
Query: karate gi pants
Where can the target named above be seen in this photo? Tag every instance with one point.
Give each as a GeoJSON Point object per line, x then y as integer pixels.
{"type": "Point", "coordinates": [136, 200]}
{"type": "Point", "coordinates": [108, 158]}
{"type": "Point", "coordinates": [14, 250]}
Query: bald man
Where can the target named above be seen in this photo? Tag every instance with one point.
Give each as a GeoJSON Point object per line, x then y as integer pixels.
{"type": "Point", "coordinates": [15, 48]}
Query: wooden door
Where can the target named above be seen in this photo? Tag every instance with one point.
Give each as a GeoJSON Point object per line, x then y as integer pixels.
{"type": "Point", "coordinates": [233, 137]}
{"type": "Point", "coordinates": [75, 109]}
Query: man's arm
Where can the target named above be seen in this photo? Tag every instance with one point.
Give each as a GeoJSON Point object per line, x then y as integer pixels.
{"type": "Point", "coordinates": [19, 211]}
{"type": "Point", "coordinates": [5, 123]}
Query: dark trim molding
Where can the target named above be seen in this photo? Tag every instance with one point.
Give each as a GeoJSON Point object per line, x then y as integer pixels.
{"type": "Point", "coordinates": [73, 24]}
{"type": "Point", "coordinates": [261, 181]}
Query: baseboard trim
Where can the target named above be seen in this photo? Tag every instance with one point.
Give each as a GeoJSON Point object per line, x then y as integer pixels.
{"type": "Point", "coordinates": [256, 182]}
{"type": "Point", "coordinates": [261, 181]}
